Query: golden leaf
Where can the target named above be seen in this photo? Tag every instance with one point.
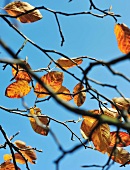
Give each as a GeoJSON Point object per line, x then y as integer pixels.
{"type": "Point", "coordinates": [101, 137]}
{"type": "Point", "coordinates": [20, 74]}
{"type": "Point", "coordinates": [28, 153]}
{"type": "Point", "coordinates": [66, 63]}
{"type": "Point", "coordinates": [8, 166]}
{"type": "Point", "coordinates": [121, 103]}
{"type": "Point", "coordinates": [122, 33]}
{"type": "Point", "coordinates": [79, 98]}
{"type": "Point", "coordinates": [66, 96]}
{"type": "Point", "coordinates": [110, 112]}
{"type": "Point", "coordinates": [121, 139]}
{"type": "Point", "coordinates": [53, 80]}
{"type": "Point", "coordinates": [7, 157]}
{"type": "Point", "coordinates": [119, 155]}
{"type": "Point", "coordinates": [20, 144]}
{"type": "Point", "coordinates": [18, 89]}
{"type": "Point", "coordinates": [38, 129]}
{"type": "Point", "coordinates": [16, 8]}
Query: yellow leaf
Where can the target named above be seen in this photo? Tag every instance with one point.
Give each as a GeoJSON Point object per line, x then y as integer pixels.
{"type": "Point", "coordinates": [66, 96]}
{"type": "Point", "coordinates": [20, 74]}
{"type": "Point", "coordinates": [8, 166]}
{"type": "Point", "coordinates": [16, 8]}
{"type": "Point", "coordinates": [121, 103]}
{"type": "Point", "coordinates": [38, 129]}
{"type": "Point", "coordinates": [79, 98]}
{"type": "Point", "coordinates": [119, 155]}
{"type": "Point", "coordinates": [7, 157]}
{"type": "Point", "coordinates": [28, 153]}
{"type": "Point", "coordinates": [53, 80]}
{"type": "Point", "coordinates": [66, 63]}
{"type": "Point", "coordinates": [122, 33]}
{"type": "Point", "coordinates": [101, 138]}
{"type": "Point", "coordinates": [18, 89]}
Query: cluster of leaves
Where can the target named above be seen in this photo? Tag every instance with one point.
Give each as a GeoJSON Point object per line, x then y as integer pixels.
{"type": "Point", "coordinates": [104, 140]}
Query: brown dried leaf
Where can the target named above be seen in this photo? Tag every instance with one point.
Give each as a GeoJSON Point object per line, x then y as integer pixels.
{"type": "Point", "coordinates": [101, 138]}
{"type": "Point", "coordinates": [18, 89]}
{"type": "Point", "coordinates": [28, 153]}
{"type": "Point", "coordinates": [20, 144]}
{"type": "Point", "coordinates": [66, 96]}
{"type": "Point", "coordinates": [66, 63]}
{"type": "Point", "coordinates": [110, 112]}
{"type": "Point", "coordinates": [122, 33]}
{"type": "Point", "coordinates": [19, 158]}
{"type": "Point", "coordinates": [121, 139]}
{"type": "Point", "coordinates": [121, 103]}
{"type": "Point", "coordinates": [53, 80]}
{"type": "Point", "coordinates": [38, 129]}
{"type": "Point", "coordinates": [20, 74]}
{"type": "Point", "coordinates": [16, 8]}
{"type": "Point", "coordinates": [8, 166]}
{"type": "Point", "coordinates": [119, 155]}
{"type": "Point", "coordinates": [79, 98]}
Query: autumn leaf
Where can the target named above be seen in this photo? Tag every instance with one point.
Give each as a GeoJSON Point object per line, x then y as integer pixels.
{"type": "Point", "coordinates": [69, 63]}
{"type": "Point", "coordinates": [53, 80]}
{"type": "Point", "coordinates": [121, 139]}
{"type": "Point", "coordinates": [8, 166]}
{"type": "Point", "coordinates": [20, 74]}
{"type": "Point", "coordinates": [122, 33]}
{"type": "Point", "coordinates": [66, 96]}
{"type": "Point", "coordinates": [121, 103]}
{"type": "Point", "coordinates": [119, 155]}
{"type": "Point", "coordinates": [20, 144]}
{"type": "Point", "coordinates": [101, 138]}
{"type": "Point", "coordinates": [38, 129]}
{"type": "Point", "coordinates": [79, 98]}
{"type": "Point", "coordinates": [19, 158]}
{"type": "Point", "coordinates": [110, 112]}
{"type": "Point", "coordinates": [7, 157]}
{"type": "Point", "coordinates": [28, 153]}
{"type": "Point", "coordinates": [18, 89]}
{"type": "Point", "coordinates": [16, 8]}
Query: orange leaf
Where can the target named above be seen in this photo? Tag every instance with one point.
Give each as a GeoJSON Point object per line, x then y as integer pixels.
{"type": "Point", "coordinates": [16, 8]}
{"type": "Point", "coordinates": [122, 33]}
{"type": "Point", "coordinates": [79, 98]}
{"type": "Point", "coordinates": [8, 166]}
{"type": "Point", "coordinates": [110, 112]}
{"type": "Point", "coordinates": [119, 155]}
{"type": "Point", "coordinates": [20, 74]}
{"type": "Point", "coordinates": [66, 96]}
{"type": "Point", "coordinates": [19, 158]}
{"type": "Point", "coordinates": [121, 138]}
{"type": "Point", "coordinates": [20, 144]}
{"type": "Point", "coordinates": [28, 153]}
{"type": "Point", "coordinates": [38, 129]}
{"type": "Point", "coordinates": [18, 89]}
{"type": "Point", "coordinates": [122, 103]}
{"type": "Point", "coordinates": [66, 63]}
{"type": "Point", "coordinates": [101, 137]}
{"type": "Point", "coordinates": [54, 81]}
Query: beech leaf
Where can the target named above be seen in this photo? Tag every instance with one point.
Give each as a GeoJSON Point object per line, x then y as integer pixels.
{"type": "Point", "coordinates": [79, 98]}
{"type": "Point", "coordinates": [53, 80]}
{"type": "Point", "coordinates": [16, 8]}
{"type": "Point", "coordinates": [18, 89]}
{"type": "Point", "coordinates": [66, 96]}
{"type": "Point", "coordinates": [8, 166]}
{"type": "Point", "coordinates": [122, 103]}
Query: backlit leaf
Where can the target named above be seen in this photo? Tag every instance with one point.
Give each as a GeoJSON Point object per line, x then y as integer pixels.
{"type": "Point", "coordinates": [119, 155]}
{"type": "Point", "coordinates": [79, 98]}
{"type": "Point", "coordinates": [16, 8]}
{"type": "Point", "coordinates": [53, 80]}
{"type": "Point", "coordinates": [19, 158]}
{"type": "Point", "coordinates": [8, 166]}
{"type": "Point", "coordinates": [28, 153]}
{"type": "Point", "coordinates": [66, 63]}
{"type": "Point", "coordinates": [110, 112]}
{"type": "Point", "coordinates": [38, 129]}
{"type": "Point", "coordinates": [20, 144]}
{"type": "Point", "coordinates": [20, 74]}
{"type": "Point", "coordinates": [7, 157]}
{"type": "Point", "coordinates": [66, 96]}
{"type": "Point", "coordinates": [121, 139]}
{"type": "Point", "coordinates": [18, 89]}
{"type": "Point", "coordinates": [122, 33]}
{"type": "Point", "coordinates": [101, 137]}
{"type": "Point", "coordinates": [122, 103]}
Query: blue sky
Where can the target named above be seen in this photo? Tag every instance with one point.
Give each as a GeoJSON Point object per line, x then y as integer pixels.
{"type": "Point", "coordinates": [85, 35]}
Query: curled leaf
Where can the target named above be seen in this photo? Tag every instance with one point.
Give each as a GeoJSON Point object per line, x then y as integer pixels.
{"type": "Point", "coordinates": [122, 33]}
{"type": "Point", "coordinates": [16, 8]}
{"type": "Point", "coordinates": [79, 96]}
{"type": "Point", "coordinates": [53, 80]}
{"type": "Point", "coordinates": [66, 96]}
{"type": "Point", "coordinates": [18, 89]}
{"type": "Point", "coordinates": [20, 74]}
{"type": "Point", "coordinates": [44, 120]}
{"type": "Point", "coordinates": [8, 166]}
{"type": "Point", "coordinates": [121, 139]}
{"type": "Point", "coordinates": [122, 103]}
{"type": "Point", "coordinates": [69, 63]}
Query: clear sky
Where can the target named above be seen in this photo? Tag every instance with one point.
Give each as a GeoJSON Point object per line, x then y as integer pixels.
{"type": "Point", "coordinates": [85, 35]}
